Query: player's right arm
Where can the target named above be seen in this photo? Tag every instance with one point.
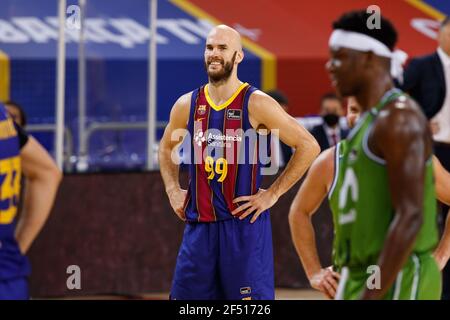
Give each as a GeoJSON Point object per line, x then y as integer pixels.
{"type": "Point", "coordinates": [442, 177]}
{"type": "Point", "coordinates": [173, 136]}
{"type": "Point", "coordinates": [309, 197]}
{"type": "Point", "coordinates": [442, 252]}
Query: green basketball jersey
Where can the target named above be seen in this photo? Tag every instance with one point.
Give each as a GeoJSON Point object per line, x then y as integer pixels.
{"type": "Point", "coordinates": [361, 202]}
{"type": "Point", "coordinates": [333, 197]}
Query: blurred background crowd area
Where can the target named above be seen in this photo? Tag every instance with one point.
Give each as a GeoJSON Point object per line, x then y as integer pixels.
{"type": "Point", "coordinates": [107, 63]}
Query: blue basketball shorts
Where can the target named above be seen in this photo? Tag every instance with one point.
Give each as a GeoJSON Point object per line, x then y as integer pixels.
{"type": "Point", "coordinates": [225, 260]}
{"type": "Point", "coordinates": [14, 289]}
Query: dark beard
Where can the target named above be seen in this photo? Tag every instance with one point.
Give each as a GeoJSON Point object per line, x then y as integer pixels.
{"type": "Point", "coordinates": [222, 76]}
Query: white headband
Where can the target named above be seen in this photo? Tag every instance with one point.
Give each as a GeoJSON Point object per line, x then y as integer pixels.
{"type": "Point", "coordinates": [361, 42]}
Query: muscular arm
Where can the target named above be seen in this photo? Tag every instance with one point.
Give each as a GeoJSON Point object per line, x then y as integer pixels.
{"type": "Point", "coordinates": [401, 137]}
{"type": "Point", "coordinates": [266, 112]}
{"type": "Point", "coordinates": [43, 178]}
{"type": "Point", "coordinates": [169, 169]}
{"type": "Point", "coordinates": [442, 252]}
{"type": "Point", "coordinates": [309, 197]}
{"type": "Point", "coordinates": [442, 176]}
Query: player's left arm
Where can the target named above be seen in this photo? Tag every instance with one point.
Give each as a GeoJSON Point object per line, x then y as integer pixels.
{"type": "Point", "coordinates": [402, 139]}
{"type": "Point", "coordinates": [305, 204]}
{"type": "Point", "coordinates": [43, 178]}
{"type": "Point", "coordinates": [266, 112]}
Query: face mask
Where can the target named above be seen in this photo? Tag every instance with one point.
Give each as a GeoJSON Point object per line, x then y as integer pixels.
{"type": "Point", "coordinates": [331, 119]}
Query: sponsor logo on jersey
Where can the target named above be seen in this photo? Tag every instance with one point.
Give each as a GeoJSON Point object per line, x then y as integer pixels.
{"type": "Point", "coordinates": [246, 290]}
{"type": "Point", "coordinates": [352, 156]}
{"type": "Point", "coordinates": [216, 139]}
{"type": "Point", "coordinates": [234, 114]}
{"type": "Point", "coordinates": [222, 140]}
{"type": "Point", "coordinates": [199, 137]}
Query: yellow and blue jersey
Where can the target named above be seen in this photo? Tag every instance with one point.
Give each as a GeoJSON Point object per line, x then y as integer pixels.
{"type": "Point", "coordinates": [12, 262]}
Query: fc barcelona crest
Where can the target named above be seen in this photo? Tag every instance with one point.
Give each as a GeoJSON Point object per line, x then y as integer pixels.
{"type": "Point", "coordinates": [201, 110]}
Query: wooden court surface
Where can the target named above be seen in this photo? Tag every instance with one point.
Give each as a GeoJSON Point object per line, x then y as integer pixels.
{"type": "Point", "coordinates": [280, 294]}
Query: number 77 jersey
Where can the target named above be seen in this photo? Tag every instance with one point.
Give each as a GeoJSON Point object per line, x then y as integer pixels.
{"type": "Point", "coordinates": [226, 155]}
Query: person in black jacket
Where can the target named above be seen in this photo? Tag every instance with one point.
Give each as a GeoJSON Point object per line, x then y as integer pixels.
{"type": "Point", "coordinates": [424, 77]}
{"type": "Point", "coordinates": [427, 80]}
{"type": "Point", "coordinates": [329, 133]}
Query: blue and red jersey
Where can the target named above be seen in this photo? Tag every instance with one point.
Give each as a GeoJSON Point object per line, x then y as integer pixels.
{"type": "Point", "coordinates": [225, 155]}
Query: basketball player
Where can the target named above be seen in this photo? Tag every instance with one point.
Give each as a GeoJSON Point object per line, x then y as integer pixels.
{"type": "Point", "coordinates": [386, 219]}
{"type": "Point", "coordinates": [226, 252]}
{"type": "Point", "coordinates": [311, 194]}
{"type": "Point", "coordinates": [21, 153]}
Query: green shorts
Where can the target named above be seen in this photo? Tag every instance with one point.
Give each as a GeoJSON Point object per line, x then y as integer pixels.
{"type": "Point", "coordinates": [420, 279]}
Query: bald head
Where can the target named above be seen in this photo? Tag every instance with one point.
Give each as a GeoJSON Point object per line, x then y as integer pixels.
{"type": "Point", "coordinates": [223, 53]}
{"type": "Point", "coordinates": [227, 35]}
